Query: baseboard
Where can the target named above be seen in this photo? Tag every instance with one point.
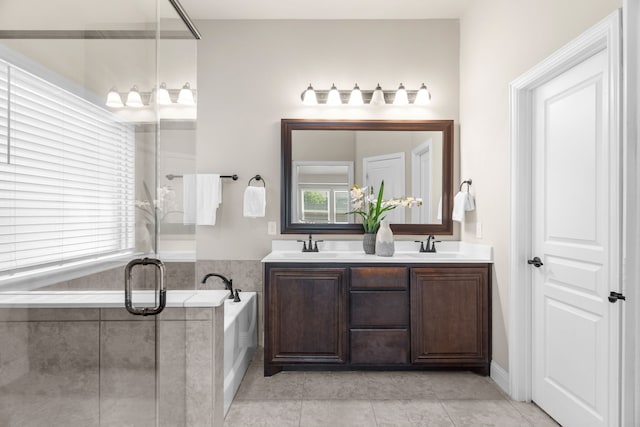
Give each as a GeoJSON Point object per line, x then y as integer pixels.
{"type": "Point", "coordinates": [500, 376]}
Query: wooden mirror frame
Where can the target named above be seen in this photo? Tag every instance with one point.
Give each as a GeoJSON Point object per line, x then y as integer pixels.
{"type": "Point", "coordinates": [289, 125]}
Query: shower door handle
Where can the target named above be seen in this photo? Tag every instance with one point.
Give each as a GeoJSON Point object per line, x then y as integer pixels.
{"type": "Point", "coordinates": [160, 288]}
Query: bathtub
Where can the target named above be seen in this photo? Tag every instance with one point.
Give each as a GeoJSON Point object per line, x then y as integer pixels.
{"type": "Point", "coordinates": [240, 341]}
{"type": "Point", "coordinates": [208, 396]}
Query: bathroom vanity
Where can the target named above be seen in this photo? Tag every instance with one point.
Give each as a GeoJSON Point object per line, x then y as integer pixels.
{"type": "Point", "coordinates": [342, 309]}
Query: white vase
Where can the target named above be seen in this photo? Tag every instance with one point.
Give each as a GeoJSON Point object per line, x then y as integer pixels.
{"type": "Point", "coordinates": [384, 240]}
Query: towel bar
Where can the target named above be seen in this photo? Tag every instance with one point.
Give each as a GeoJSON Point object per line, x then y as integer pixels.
{"type": "Point", "coordinates": [171, 177]}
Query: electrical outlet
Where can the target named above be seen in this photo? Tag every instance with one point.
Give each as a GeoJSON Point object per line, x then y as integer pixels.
{"type": "Point", "coordinates": [478, 230]}
{"type": "Point", "coordinates": [271, 228]}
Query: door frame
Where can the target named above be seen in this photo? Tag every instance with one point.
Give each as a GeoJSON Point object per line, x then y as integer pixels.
{"type": "Point", "coordinates": [605, 35]}
{"type": "Point", "coordinates": [416, 172]}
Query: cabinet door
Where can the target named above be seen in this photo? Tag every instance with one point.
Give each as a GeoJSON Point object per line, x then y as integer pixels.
{"type": "Point", "coordinates": [305, 316]}
{"type": "Point", "coordinates": [450, 316]}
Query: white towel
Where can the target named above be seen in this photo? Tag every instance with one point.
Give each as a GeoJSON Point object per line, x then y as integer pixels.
{"type": "Point", "coordinates": [202, 196]}
{"type": "Point", "coordinates": [458, 206]}
{"type": "Point", "coordinates": [469, 202]}
{"type": "Point", "coordinates": [255, 202]}
{"type": "Point", "coordinates": [209, 198]}
{"type": "Point", "coordinates": [189, 191]}
{"type": "Point", "coordinates": [439, 216]}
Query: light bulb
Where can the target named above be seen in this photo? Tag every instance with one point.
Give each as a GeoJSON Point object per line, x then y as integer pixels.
{"type": "Point", "coordinates": [113, 99]}
{"type": "Point", "coordinates": [423, 97]}
{"type": "Point", "coordinates": [334, 96]}
{"type": "Point", "coordinates": [163, 97]}
{"type": "Point", "coordinates": [185, 97]}
{"type": "Point", "coordinates": [356, 96]}
{"type": "Point", "coordinates": [377, 98]}
{"type": "Point", "coordinates": [134, 99]}
{"type": "Point", "coordinates": [401, 96]}
{"type": "Point", "coordinates": [309, 97]}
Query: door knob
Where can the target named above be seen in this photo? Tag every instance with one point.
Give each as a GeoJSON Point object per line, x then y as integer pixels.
{"type": "Point", "coordinates": [536, 262]}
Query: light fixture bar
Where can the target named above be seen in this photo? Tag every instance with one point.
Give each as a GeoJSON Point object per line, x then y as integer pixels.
{"type": "Point", "coordinates": [389, 96]}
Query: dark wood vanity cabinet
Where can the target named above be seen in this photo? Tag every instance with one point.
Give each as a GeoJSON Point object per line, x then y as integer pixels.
{"type": "Point", "coordinates": [396, 316]}
{"type": "Point", "coordinates": [305, 317]}
{"type": "Point", "coordinates": [450, 317]}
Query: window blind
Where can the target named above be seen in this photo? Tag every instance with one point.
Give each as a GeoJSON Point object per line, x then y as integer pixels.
{"type": "Point", "coordinates": [66, 175]}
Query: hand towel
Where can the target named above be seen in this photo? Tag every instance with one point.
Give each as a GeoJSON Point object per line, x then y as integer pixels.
{"type": "Point", "coordinates": [189, 199]}
{"type": "Point", "coordinates": [469, 202]}
{"type": "Point", "coordinates": [439, 216]}
{"type": "Point", "coordinates": [209, 198]}
{"type": "Point", "coordinates": [255, 202]}
{"type": "Point", "coordinates": [458, 206]}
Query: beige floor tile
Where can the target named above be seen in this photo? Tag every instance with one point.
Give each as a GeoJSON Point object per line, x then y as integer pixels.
{"type": "Point", "coordinates": [497, 413]}
{"type": "Point", "coordinates": [282, 386]}
{"type": "Point", "coordinates": [534, 414]}
{"type": "Point", "coordinates": [463, 385]}
{"type": "Point", "coordinates": [411, 413]}
{"type": "Point", "coordinates": [335, 385]}
{"type": "Point", "coordinates": [336, 413]}
{"type": "Point", "coordinates": [281, 413]}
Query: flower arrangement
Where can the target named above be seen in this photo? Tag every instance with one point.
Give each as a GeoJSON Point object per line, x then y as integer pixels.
{"type": "Point", "coordinates": [159, 208]}
{"type": "Point", "coordinates": [371, 207]}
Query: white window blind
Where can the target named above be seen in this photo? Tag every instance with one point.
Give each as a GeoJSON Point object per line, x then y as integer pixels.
{"type": "Point", "coordinates": [66, 175]}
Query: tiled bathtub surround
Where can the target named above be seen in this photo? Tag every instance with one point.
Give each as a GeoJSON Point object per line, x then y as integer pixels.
{"type": "Point", "coordinates": [97, 367]}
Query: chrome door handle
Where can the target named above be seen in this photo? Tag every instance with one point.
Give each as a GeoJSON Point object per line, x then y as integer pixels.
{"type": "Point", "coordinates": [160, 287]}
{"type": "Point", "coordinates": [536, 262]}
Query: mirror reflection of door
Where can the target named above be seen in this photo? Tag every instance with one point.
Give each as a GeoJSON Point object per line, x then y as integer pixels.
{"type": "Point", "coordinates": [421, 182]}
{"type": "Point", "coordinates": [389, 168]}
{"type": "Point", "coordinates": [322, 191]}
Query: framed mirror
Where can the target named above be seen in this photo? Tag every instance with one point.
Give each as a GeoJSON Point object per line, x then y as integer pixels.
{"type": "Point", "coordinates": [323, 159]}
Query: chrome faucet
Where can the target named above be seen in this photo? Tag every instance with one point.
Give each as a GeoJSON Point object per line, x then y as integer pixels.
{"type": "Point", "coordinates": [312, 246]}
{"type": "Point", "coordinates": [430, 246]}
{"type": "Point", "coordinates": [228, 283]}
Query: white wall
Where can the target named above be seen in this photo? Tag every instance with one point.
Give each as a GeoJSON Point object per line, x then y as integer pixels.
{"type": "Point", "coordinates": [251, 74]}
{"type": "Point", "coordinates": [499, 40]}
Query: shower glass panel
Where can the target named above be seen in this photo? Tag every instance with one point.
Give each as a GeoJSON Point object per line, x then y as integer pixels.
{"type": "Point", "coordinates": [83, 191]}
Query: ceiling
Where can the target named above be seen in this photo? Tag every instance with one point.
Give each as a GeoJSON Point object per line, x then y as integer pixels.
{"type": "Point", "coordinates": [324, 9]}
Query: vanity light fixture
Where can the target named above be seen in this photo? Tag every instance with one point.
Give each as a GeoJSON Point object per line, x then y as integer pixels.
{"type": "Point", "coordinates": [423, 97]}
{"type": "Point", "coordinates": [356, 96]}
{"type": "Point", "coordinates": [162, 95]}
{"type": "Point", "coordinates": [113, 99]}
{"type": "Point", "coordinates": [186, 95]}
{"type": "Point", "coordinates": [377, 97]}
{"type": "Point", "coordinates": [134, 99]}
{"type": "Point", "coordinates": [402, 98]}
{"type": "Point", "coordinates": [333, 98]}
{"type": "Point", "coordinates": [309, 96]}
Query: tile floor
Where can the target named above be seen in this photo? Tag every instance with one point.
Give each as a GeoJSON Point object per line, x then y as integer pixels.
{"type": "Point", "coordinates": [367, 398]}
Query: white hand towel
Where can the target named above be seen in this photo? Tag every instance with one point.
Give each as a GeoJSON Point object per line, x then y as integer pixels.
{"type": "Point", "coordinates": [439, 216]}
{"type": "Point", "coordinates": [255, 202]}
{"type": "Point", "coordinates": [469, 202]}
{"type": "Point", "coordinates": [209, 198]}
{"type": "Point", "coordinates": [189, 206]}
{"type": "Point", "coordinates": [458, 206]}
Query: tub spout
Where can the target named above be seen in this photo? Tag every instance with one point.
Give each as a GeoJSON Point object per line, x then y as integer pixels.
{"type": "Point", "coordinates": [228, 283]}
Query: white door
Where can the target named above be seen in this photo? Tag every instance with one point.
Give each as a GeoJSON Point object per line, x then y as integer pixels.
{"type": "Point", "coordinates": [390, 169]}
{"type": "Point", "coordinates": [421, 182]}
{"type": "Point", "coordinates": [575, 234]}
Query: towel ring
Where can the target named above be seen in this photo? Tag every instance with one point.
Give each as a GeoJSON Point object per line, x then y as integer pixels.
{"type": "Point", "coordinates": [468, 182]}
{"type": "Point", "coordinates": [258, 178]}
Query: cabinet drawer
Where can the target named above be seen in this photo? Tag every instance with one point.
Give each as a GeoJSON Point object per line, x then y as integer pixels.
{"type": "Point", "coordinates": [379, 346]}
{"type": "Point", "coordinates": [382, 308]}
{"type": "Point", "coordinates": [379, 278]}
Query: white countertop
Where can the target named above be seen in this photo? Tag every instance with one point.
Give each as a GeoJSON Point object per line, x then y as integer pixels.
{"type": "Point", "coordinates": [108, 299]}
{"type": "Point", "coordinates": [405, 252]}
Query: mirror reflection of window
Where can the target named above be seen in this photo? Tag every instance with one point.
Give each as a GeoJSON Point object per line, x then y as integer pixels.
{"type": "Point", "coordinates": [322, 195]}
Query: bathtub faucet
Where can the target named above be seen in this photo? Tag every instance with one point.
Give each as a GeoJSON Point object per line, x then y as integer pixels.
{"type": "Point", "coordinates": [228, 283]}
